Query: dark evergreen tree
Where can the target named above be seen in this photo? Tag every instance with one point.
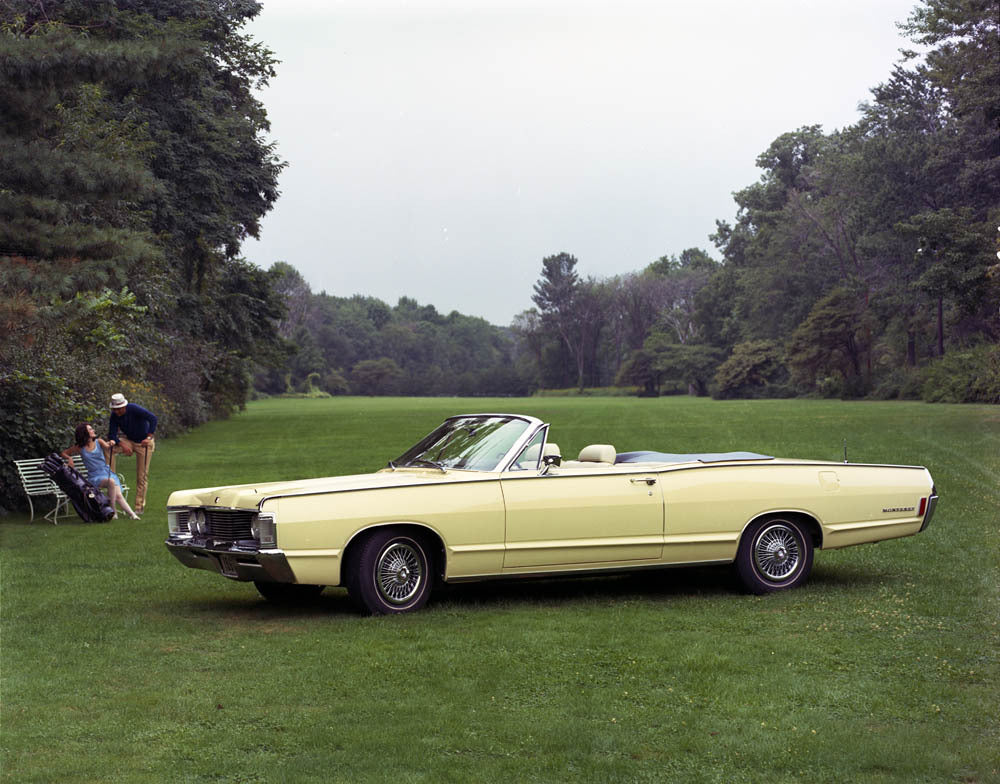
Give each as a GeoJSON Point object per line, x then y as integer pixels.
{"type": "Point", "coordinates": [133, 163]}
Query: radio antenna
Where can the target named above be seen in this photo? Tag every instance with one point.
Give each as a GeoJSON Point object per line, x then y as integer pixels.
{"type": "Point", "coordinates": [845, 450]}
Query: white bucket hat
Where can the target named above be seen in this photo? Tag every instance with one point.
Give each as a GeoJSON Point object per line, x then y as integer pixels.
{"type": "Point", "coordinates": [118, 401]}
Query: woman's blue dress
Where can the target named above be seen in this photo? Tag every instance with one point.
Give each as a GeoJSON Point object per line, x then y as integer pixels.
{"type": "Point", "coordinates": [97, 469]}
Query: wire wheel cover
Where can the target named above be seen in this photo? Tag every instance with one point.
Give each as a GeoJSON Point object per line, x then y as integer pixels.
{"type": "Point", "coordinates": [399, 572]}
{"type": "Point", "coordinates": [777, 553]}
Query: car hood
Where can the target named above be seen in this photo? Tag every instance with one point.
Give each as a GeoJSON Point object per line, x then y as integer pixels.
{"type": "Point", "coordinates": [249, 496]}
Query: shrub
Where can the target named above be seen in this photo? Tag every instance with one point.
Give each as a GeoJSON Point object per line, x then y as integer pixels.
{"type": "Point", "coordinates": [310, 387]}
{"type": "Point", "coordinates": [968, 376]}
{"type": "Point", "coordinates": [899, 384]}
{"type": "Point", "coordinates": [37, 414]}
{"type": "Point", "coordinates": [335, 383]}
{"type": "Point", "coordinates": [586, 392]}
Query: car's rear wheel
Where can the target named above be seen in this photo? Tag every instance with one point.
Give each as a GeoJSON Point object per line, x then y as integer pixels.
{"type": "Point", "coordinates": [390, 573]}
{"type": "Point", "coordinates": [775, 554]}
{"type": "Point", "coordinates": [288, 593]}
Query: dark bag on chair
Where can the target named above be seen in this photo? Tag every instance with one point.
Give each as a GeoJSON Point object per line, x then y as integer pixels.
{"type": "Point", "coordinates": [90, 503]}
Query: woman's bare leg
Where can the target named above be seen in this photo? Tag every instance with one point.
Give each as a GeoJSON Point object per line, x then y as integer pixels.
{"type": "Point", "coordinates": [124, 504]}
{"type": "Point", "coordinates": [109, 487]}
{"type": "Point", "coordinates": [115, 496]}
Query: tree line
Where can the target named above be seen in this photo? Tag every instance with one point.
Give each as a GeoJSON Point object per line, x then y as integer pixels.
{"type": "Point", "coordinates": [361, 345]}
{"type": "Point", "coordinates": [862, 263]}
{"type": "Point", "coordinates": [135, 159]}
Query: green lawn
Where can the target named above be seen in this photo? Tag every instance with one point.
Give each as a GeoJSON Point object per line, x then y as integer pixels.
{"type": "Point", "coordinates": [118, 664]}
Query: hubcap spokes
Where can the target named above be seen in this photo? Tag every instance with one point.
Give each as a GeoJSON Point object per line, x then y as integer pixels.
{"type": "Point", "coordinates": [777, 553]}
{"type": "Point", "coordinates": [398, 573]}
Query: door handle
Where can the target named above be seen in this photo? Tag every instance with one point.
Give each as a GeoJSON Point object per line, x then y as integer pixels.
{"type": "Point", "coordinates": [649, 480]}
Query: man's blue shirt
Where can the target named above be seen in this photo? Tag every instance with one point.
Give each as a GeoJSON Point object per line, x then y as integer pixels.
{"type": "Point", "coordinates": [136, 423]}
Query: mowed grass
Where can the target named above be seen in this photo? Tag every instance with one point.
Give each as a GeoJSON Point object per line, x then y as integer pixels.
{"type": "Point", "coordinates": [120, 665]}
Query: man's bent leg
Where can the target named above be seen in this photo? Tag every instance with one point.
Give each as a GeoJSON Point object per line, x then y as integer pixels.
{"type": "Point", "coordinates": [143, 455]}
{"type": "Point", "coordinates": [115, 451]}
{"type": "Point", "coordinates": [118, 449]}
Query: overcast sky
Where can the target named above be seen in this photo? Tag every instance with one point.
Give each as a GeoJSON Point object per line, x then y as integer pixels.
{"type": "Point", "coordinates": [441, 149]}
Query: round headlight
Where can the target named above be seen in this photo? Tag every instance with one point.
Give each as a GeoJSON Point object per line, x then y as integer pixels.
{"type": "Point", "coordinates": [197, 522]}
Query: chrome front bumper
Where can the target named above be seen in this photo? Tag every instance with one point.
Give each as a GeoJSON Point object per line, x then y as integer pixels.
{"type": "Point", "coordinates": [232, 561]}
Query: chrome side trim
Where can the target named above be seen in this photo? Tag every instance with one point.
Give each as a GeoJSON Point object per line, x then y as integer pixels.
{"type": "Point", "coordinates": [494, 477]}
{"type": "Point", "coordinates": [756, 464]}
{"type": "Point", "coordinates": [513, 573]}
{"type": "Point", "coordinates": [568, 546]}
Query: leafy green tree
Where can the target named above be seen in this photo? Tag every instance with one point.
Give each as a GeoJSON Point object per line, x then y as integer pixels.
{"type": "Point", "coordinates": [344, 328]}
{"type": "Point", "coordinates": [961, 39]}
{"type": "Point", "coordinates": [572, 309]}
{"type": "Point", "coordinates": [829, 344]}
{"type": "Point", "coordinates": [377, 377]}
{"type": "Point", "coordinates": [641, 369]}
{"type": "Point", "coordinates": [308, 358]}
{"type": "Point", "coordinates": [753, 369]}
{"type": "Point", "coordinates": [529, 340]}
{"type": "Point", "coordinates": [896, 209]}
{"type": "Point", "coordinates": [952, 260]}
{"type": "Point", "coordinates": [717, 320]}
{"type": "Point", "coordinates": [691, 365]}
{"type": "Point", "coordinates": [680, 281]}
{"type": "Point", "coordinates": [640, 297]}
{"type": "Point", "coordinates": [777, 257]}
{"type": "Point", "coordinates": [555, 295]}
{"type": "Point", "coordinates": [296, 295]}
{"type": "Point", "coordinates": [132, 154]}
{"type": "Point", "coordinates": [595, 302]}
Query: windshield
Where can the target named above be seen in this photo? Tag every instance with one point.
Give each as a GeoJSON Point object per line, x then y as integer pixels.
{"type": "Point", "coordinates": [473, 443]}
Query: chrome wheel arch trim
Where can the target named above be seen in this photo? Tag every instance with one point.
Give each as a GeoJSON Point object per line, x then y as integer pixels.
{"type": "Point", "coordinates": [810, 521]}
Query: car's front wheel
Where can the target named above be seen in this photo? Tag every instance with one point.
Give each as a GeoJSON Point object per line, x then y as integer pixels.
{"type": "Point", "coordinates": [775, 554]}
{"type": "Point", "coordinates": [390, 573]}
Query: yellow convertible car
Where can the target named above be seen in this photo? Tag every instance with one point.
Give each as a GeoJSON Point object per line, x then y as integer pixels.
{"type": "Point", "coordinates": [488, 496]}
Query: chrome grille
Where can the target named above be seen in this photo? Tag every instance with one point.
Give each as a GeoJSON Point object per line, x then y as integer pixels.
{"type": "Point", "coordinates": [229, 524]}
{"type": "Point", "coordinates": [182, 520]}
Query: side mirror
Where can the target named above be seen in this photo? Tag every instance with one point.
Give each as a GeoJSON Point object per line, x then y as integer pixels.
{"type": "Point", "coordinates": [551, 460]}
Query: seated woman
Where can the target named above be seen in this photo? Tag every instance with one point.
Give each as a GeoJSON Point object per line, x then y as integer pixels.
{"type": "Point", "coordinates": [91, 449]}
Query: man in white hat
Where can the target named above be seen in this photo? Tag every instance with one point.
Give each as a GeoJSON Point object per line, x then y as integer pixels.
{"type": "Point", "coordinates": [137, 426]}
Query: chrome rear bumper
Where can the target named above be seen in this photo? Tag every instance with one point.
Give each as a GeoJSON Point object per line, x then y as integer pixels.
{"type": "Point", "coordinates": [931, 506]}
